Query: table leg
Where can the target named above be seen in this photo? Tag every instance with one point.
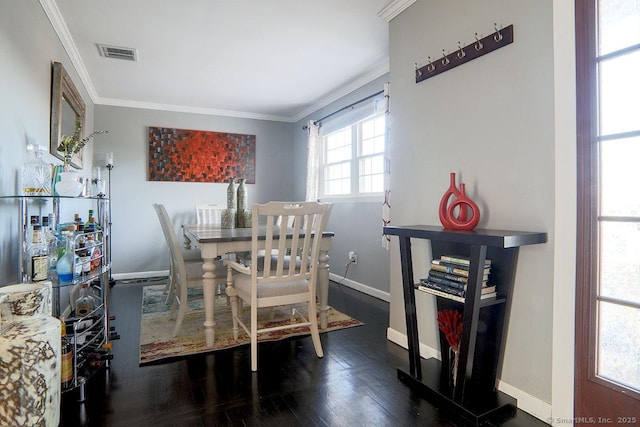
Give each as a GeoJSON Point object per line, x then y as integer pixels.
{"type": "Point", "coordinates": [186, 241]}
{"type": "Point", "coordinates": [323, 286]}
{"type": "Point", "coordinates": [209, 288]}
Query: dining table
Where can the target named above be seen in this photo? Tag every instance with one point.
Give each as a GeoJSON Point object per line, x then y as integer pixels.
{"type": "Point", "coordinates": [215, 241]}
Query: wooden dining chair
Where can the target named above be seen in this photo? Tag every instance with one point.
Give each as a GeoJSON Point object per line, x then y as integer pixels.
{"type": "Point", "coordinates": [209, 214]}
{"type": "Point", "coordinates": [182, 275]}
{"type": "Point", "coordinates": [276, 281]}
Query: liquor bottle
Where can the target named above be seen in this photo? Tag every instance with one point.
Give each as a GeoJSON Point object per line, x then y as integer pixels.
{"type": "Point", "coordinates": [80, 233]}
{"type": "Point", "coordinates": [33, 220]}
{"type": "Point", "coordinates": [77, 262]}
{"type": "Point", "coordinates": [38, 256]}
{"type": "Point", "coordinates": [84, 254]}
{"type": "Point", "coordinates": [65, 264]}
{"type": "Point", "coordinates": [86, 224]}
{"type": "Point", "coordinates": [91, 220]}
{"type": "Point", "coordinates": [66, 368]}
{"type": "Point", "coordinates": [85, 302]}
{"type": "Point", "coordinates": [46, 228]}
{"type": "Point", "coordinates": [96, 253]}
{"type": "Point", "coordinates": [90, 245]}
{"type": "Point", "coordinates": [52, 245]}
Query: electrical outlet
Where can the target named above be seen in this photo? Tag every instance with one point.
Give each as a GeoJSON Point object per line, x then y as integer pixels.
{"type": "Point", "coordinates": [353, 258]}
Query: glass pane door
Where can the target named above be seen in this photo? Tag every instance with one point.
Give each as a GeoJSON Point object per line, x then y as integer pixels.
{"type": "Point", "coordinates": [616, 342]}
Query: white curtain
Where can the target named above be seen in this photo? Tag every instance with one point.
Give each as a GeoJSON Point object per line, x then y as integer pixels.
{"type": "Point", "coordinates": [386, 203]}
{"type": "Point", "coordinates": [313, 161]}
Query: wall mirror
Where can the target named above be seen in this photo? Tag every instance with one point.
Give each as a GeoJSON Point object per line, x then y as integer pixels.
{"type": "Point", "coordinates": [67, 107]}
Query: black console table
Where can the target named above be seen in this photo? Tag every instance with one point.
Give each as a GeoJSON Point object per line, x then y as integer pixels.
{"type": "Point", "coordinates": [475, 396]}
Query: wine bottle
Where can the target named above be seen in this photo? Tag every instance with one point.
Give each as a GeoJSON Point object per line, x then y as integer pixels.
{"type": "Point", "coordinates": [66, 369]}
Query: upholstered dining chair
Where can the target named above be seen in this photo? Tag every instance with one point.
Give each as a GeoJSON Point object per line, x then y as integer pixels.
{"type": "Point", "coordinates": [276, 281]}
{"type": "Point", "coordinates": [183, 275]}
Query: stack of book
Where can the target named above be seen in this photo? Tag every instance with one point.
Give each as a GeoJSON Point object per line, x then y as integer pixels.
{"type": "Point", "coordinates": [448, 278]}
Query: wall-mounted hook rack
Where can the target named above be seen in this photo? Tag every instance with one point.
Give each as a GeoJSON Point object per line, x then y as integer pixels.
{"type": "Point", "coordinates": [496, 40]}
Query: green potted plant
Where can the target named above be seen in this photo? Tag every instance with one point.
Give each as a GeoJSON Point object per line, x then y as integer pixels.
{"type": "Point", "coordinates": [69, 146]}
{"type": "Point", "coordinates": [72, 144]}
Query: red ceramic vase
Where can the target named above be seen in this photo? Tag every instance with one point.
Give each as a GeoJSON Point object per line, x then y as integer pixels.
{"type": "Point", "coordinates": [452, 191]}
{"type": "Point", "coordinates": [463, 202]}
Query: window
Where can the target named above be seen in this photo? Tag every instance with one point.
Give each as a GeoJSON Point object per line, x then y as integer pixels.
{"type": "Point", "coordinates": [353, 159]}
{"type": "Point", "coordinates": [609, 218]}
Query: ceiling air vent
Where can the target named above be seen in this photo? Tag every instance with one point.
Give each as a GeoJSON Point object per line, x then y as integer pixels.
{"type": "Point", "coordinates": [117, 52]}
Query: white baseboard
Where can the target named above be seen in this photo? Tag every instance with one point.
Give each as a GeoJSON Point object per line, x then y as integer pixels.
{"type": "Point", "coordinates": [141, 275]}
{"type": "Point", "coordinates": [376, 293]}
{"type": "Point", "coordinates": [526, 402]}
{"type": "Point", "coordinates": [365, 289]}
{"type": "Point", "coordinates": [401, 339]}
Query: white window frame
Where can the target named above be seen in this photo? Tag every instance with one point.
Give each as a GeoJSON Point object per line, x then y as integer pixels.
{"type": "Point", "coordinates": [356, 157]}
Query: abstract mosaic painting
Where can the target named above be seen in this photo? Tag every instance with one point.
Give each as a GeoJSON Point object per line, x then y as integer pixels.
{"type": "Point", "coordinates": [185, 155]}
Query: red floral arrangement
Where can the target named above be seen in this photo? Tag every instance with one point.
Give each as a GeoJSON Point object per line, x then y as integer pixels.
{"type": "Point", "coordinates": [450, 323]}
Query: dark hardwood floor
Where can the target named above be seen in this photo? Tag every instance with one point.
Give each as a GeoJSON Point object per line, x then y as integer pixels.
{"type": "Point", "coordinates": [355, 384]}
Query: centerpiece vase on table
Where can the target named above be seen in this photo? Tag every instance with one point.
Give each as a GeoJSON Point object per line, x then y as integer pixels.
{"type": "Point", "coordinates": [229, 215]}
{"type": "Point", "coordinates": [241, 214]}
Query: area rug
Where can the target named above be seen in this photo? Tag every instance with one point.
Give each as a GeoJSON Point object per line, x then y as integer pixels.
{"type": "Point", "coordinates": [157, 344]}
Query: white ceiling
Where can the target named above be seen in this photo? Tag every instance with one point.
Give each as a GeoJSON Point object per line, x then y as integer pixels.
{"type": "Point", "coordinates": [277, 60]}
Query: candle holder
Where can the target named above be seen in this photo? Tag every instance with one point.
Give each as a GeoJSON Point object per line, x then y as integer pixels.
{"type": "Point", "coordinates": [109, 166]}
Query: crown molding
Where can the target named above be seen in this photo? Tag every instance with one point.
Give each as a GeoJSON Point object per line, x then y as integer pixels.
{"type": "Point", "coordinates": [192, 110]}
{"type": "Point", "coordinates": [60, 27]}
{"type": "Point", "coordinates": [393, 9]}
{"type": "Point", "coordinates": [378, 70]}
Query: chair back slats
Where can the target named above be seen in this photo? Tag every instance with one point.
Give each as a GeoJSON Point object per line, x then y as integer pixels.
{"type": "Point", "coordinates": [268, 245]}
{"type": "Point", "coordinates": [209, 214]}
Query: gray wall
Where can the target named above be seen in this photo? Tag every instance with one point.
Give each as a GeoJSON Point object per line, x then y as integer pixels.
{"type": "Point", "coordinates": [358, 225]}
{"type": "Point", "coordinates": [138, 246]}
{"type": "Point", "coordinates": [28, 45]}
{"type": "Point", "coordinates": [493, 121]}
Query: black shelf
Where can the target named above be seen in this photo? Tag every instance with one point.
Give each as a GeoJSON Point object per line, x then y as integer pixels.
{"type": "Point", "coordinates": [484, 302]}
{"type": "Point", "coordinates": [487, 237]}
{"type": "Point", "coordinates": [435, 385]}
{"type": "Point", "coordinates": [475, 395]}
